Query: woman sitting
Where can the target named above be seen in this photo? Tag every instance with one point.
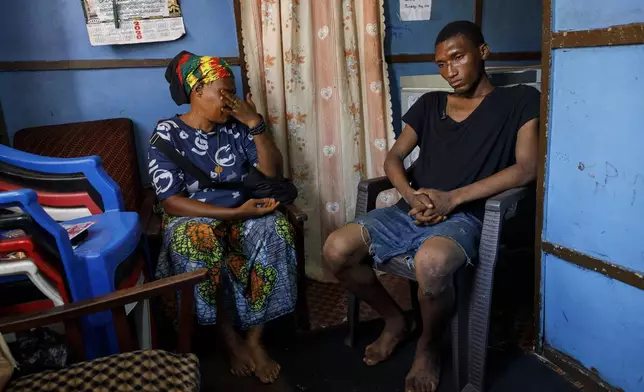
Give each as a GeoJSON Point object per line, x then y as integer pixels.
{"type": "Point", "coordinates": [246, 245]}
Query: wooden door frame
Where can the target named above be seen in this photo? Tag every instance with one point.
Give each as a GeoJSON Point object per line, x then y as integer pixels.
{"type": "Point", "coordinates": [611, 36]}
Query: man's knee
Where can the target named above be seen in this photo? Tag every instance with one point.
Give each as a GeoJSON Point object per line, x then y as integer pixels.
{"type": "Point", "coordinates": [435, 267]}
{"type": "Point", "coordinates": [339, 248]}
{"type": "Point", "coordinates": [336, 251]}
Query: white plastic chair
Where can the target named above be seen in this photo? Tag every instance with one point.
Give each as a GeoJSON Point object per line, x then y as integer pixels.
{"type": "Point", "coordinates": [12, 267]}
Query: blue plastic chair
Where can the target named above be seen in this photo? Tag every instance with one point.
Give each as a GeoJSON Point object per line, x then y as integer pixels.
{"type": "Point", "coordinates": [88, 168]}
{"type": "Point", "coordinates": [91, 268]}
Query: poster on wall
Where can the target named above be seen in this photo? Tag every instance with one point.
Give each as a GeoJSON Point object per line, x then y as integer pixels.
{"type": "Point", "coordinates": [120, 22]}
{"type": "Point", "coordinates": [411, 10]}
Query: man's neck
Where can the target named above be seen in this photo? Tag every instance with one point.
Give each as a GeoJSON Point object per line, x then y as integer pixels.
{"type": "Point", "coordinates": [482, 88]}
{"type": "Point", "coordinates": [197, 121]}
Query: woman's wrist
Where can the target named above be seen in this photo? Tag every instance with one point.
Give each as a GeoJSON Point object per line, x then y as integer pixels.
{"type": "Point", "coordinates": [238, 214]}
{"type": "Point", "coordinates": [255, 122]}
{"type": "Point", "coordinates": [258, 129]}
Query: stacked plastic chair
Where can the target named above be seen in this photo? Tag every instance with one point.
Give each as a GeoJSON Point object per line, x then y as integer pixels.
{"type": "Point", "coordinates": [38, 192]}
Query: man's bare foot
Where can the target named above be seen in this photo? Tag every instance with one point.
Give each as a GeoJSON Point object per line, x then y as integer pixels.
{"type": "Point", "coordinates": [396, 330]}
{"type": "Point", "coordinates": [241, 359]}
{"type": "Point", "coordinates": [266, 369]}
{"type": "Point", "coordinates": [425, 371]}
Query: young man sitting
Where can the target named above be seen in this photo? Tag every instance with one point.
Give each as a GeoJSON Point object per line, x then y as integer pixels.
{"type": "Point", "coordinates": [474, 143]}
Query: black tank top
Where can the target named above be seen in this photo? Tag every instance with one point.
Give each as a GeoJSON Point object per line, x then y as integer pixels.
{"type": "Point", "coordinates": [455, 154]}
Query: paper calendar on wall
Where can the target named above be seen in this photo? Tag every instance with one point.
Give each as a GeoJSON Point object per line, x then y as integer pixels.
{"type": "Point", "coordinates": [119, 22]}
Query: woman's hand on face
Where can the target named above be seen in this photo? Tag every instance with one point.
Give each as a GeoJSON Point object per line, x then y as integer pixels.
{"type": "Point", "coordinates": [243, 110]}
{"type": "Point", "coordinates": [255, 208]}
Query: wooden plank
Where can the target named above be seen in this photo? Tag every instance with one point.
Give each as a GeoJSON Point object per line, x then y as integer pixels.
{"type": "Point", "coordinates": [611, 270]}
{"type": "Point", "coordinates": [186, 318]}
{"type": "Point", "coordinates": [478, 12]}
{"type": "Point", "coordinates": [429, 57]}
{"type": "Point", "coordinates": [74, 336]}
{"type": "Point", "coordinates": [515, 56]}
{"type": "Point", "coordinates": [410, 58]}
{"type": "Point", "coordinates": [109, 301]}
{"type": "Point", "coordinates": [240, 45]}
{"type": "Point", "coordinates": [546, 62]}
{"type": "Point", "coordinates": [123, 333]}
{"type": "Point", "coordinates": [66, 65]}
{"type": "Point", "coordinates": [630, 34]}
{"type": "Point", "coordinates": [574, 371]}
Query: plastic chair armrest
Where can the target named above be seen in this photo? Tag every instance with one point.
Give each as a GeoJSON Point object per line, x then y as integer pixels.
{"type": "Point", "coordinates": [506, 203]}
{"type": "Point", "coordinates": [368, 191]}
{"type": "Point", "coordinates": [27, 200]}
{"type": "Point", "coordinates": [90, 166]}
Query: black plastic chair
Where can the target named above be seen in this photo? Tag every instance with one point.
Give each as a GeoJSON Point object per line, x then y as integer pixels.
{"type": "Point", "coordinates": [470, 323]}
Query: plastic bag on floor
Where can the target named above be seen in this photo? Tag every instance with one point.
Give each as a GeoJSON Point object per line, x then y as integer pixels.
{"type": "Point", "coordinates": [39, 350]}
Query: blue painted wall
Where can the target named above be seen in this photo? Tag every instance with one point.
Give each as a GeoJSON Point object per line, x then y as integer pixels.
{"type": "Point", "coordinates": [55, 30]}
{"type": "Point", "coordinates": [595, 196]}
{"type": "Point", "coordinates": [595, 14]}
{"type": "Point", "coordinates": [596, 320]}
{"type": "Point", "coordinates": [508, 26]}
{"type": "Point", "coordinates": [57, 97]}
{"type": "Point", "coordinates": [596, 166]}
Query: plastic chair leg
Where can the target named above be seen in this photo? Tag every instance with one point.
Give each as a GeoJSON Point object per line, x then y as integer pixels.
{"type": "Point", "coordinates": [99, 340]}
{"type": "Point", "coordinates": [46, 288]}
{"type": "Point", "coordinates": [456, 344]}
{"type": "Point", "coordinates": [471, 388]}
{"type": "Point", "coordinates": [415, 303]}
{"type": "Point", "coordinates": [353, 318]}
{"type": "Point", "coordinates": [460, 328]}
{"type": "Point", "coordinates": [143, 324]}
{"type": "Point", "coordinates": [413, 295]}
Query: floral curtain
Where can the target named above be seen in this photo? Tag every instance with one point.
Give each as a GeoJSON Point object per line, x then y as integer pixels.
{"type": "Point", "coordinates": [316, 71]}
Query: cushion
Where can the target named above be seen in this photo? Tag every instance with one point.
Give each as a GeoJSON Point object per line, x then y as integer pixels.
{"type": "Point", "coordinates": [147, 370]}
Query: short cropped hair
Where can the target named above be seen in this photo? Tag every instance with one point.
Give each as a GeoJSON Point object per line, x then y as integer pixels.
{"type": "Point", "coordinates": [465, 28]}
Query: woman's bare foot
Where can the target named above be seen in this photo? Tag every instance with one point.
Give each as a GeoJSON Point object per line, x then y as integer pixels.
{"type": "Point", "coordinates": [425, 371]}
{"type": "Point", "coordinates": [241, 360]}
{"type": "Point", "coordinates": [266, 369]}
{"type": "Point", "coordinates": [396, 330]}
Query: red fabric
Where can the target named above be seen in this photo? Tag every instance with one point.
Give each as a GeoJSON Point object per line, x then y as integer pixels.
{"type": "Point", "coordinates": [112, 140]}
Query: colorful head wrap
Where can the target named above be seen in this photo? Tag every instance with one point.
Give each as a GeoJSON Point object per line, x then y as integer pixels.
{"type": "Point", "coordinates": [187, 70]}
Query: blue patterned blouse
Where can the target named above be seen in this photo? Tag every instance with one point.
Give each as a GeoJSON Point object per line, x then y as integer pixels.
{"type": "Point", "coordinates": [225, 153]}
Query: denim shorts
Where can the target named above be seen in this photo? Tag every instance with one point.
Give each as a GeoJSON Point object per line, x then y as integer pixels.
{"type": "Point", "coordinates": [392, 232]}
